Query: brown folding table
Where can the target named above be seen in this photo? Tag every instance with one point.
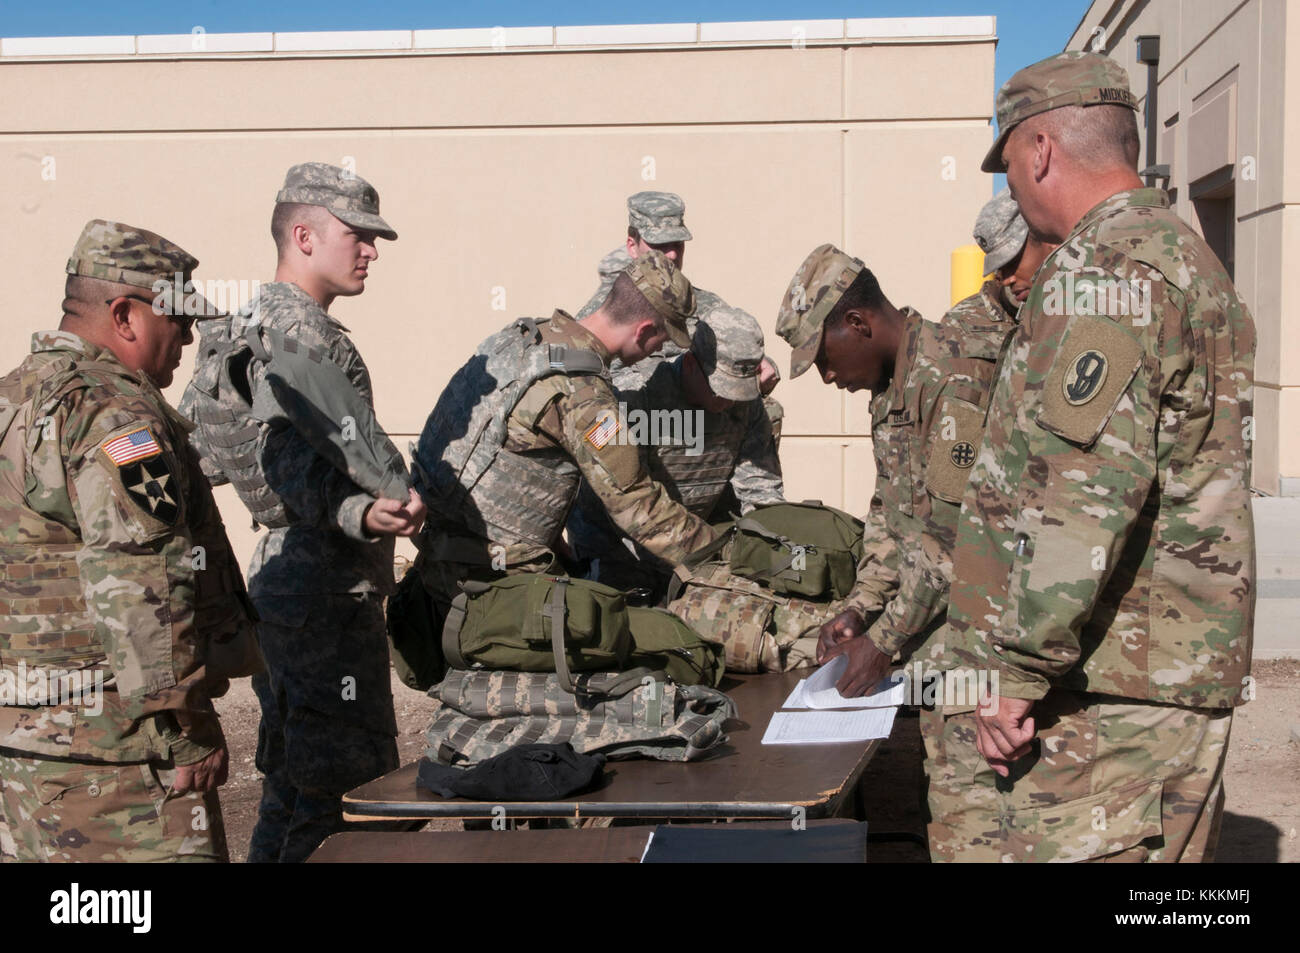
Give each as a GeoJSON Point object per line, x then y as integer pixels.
{"type": "Point", "coordinates": [742, 779]}
{"type": "Point", "coordinates": [599, 845]}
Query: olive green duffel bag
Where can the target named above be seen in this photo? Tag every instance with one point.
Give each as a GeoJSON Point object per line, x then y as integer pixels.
{"type": "Point", "coordinates": [798, 549]}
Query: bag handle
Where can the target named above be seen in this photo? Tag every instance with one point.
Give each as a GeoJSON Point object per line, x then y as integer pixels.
{"type": "Point", "coordinates": [451, 629]}
{"type": "Point", "coordinates": [557, 609]}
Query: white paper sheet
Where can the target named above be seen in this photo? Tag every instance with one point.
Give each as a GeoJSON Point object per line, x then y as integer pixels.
{"type": "Point", "coordinates": [828, 727]}
{"type": "Point", "coordinates": [818, 690]}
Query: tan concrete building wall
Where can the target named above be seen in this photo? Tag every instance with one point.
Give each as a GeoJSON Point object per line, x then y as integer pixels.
{"type": "Point", "coordinates": [1225, 80]}
{"type": "Point", "coordinates": [505, 172]}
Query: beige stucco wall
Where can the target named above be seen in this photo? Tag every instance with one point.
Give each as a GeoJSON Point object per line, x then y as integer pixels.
{"type": "Point", "coordinates": [1208, 47]}
{"type": "Point", "coordinates": [506, 172]}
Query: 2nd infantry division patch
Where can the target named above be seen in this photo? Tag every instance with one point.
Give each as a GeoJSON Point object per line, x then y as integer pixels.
{"type": "Point", "coordinates": [146, 475]}
{"type": "Point", "coordinates": [1092, 369]}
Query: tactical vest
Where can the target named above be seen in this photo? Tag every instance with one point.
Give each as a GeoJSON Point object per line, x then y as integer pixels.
{"type": "Point", "coordinates": [462, 467]}
{"type": "Point", "coordinates": [219, 400]}
{"type": "Point", "coordinates": [699, 480]}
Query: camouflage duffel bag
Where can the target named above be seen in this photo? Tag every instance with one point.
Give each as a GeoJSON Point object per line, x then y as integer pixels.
{"type": "Point", "coordinates": [798, 549]}
{"type": "Point", "coordinates": [759, 630]}
{"type": "Point", "coordinates": [621, 715]}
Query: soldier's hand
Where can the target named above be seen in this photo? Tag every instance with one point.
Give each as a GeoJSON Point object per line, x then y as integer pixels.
{"type": "Point", "coordinates": [866, 666]}
{"type": "Point", "coordinates": [849, 624]}
{"type": "Point", "coordinates": [206, 775]}
{"type": "Point", "coordinates": [1004, 731]}
{"type": "Point", "coordinates": [386, 517]}
{"type": "Point", "coordinates": [768, 376]}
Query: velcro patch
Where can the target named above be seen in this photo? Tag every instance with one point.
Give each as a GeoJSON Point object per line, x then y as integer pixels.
{"type": "Point", "coordinates": [129, 447]}
{"type": "Point", "coordinates": [1092, 369]}
{"type": "Point", "coordinates": [151, 485]}
{"type": "Point", "coordinates": [955, 442]}
{"type": "Point", "coordinates": [602, 431]}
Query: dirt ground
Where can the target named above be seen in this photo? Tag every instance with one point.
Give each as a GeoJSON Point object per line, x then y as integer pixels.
{"type": "Point", "coordinates": [1263, 771]}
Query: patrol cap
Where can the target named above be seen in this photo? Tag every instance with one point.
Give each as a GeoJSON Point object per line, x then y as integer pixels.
{"type": "Point", "coordinates": [1075, 78]}
{"type": "Point", "coordinates": [111, 251]}
{"type": "Point", "coordinates": [815, 289]}
{"type": "Point", "coordinates": [667, 290]}
{"type": "Point", "coordinates": [1000, 231]}
{"type": "Point", "coordinates": [728, 346]}
{"type": "Point", "coordinates": [347, 196]}
{"type": "Point", "coordinates": [657, 217]}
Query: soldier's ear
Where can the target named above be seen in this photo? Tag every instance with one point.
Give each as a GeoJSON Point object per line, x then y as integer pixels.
{"type": "Point", "coordinates": [858, 321]}
{"type": "Point", "coordinates": [119, 316]}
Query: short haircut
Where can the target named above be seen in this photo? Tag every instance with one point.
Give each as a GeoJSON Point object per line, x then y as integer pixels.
{"type": "Point", "coordinates": [634, 233]}
{"type": "Point", "coordinates": [1096, 137]}
{"type": "Point", "coordinates": [625, 303]}
{"type": "Point", "coordinates": [288, 214]}
{"type": "Point", "coordinates": [864, 294]}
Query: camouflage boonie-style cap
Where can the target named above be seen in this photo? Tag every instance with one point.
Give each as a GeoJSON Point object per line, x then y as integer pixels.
{"type": "Point", "coordinates": [112, 251]}
{"type": "Point", "coordinates": [347, 196]}
{"type": "Point", "coordinates": [657, 217]}
{"type": "Point", "coordinates": [667, 290]}
{"type": "Point", "coordinates": [728, 345]}
{"type": "Point", "coordinates": [1075, 78]}
{"type": "Point", "coordinates": [1000, 231]}
{"type": "Point", "coordinates": [814, 291]}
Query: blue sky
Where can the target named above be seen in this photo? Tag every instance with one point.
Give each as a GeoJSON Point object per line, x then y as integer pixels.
{"type": "Point", "coordinates": [1028, 30]}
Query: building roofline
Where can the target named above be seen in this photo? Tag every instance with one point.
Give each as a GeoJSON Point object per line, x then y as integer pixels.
{"type": "Point", "coordinates": [202, 45]}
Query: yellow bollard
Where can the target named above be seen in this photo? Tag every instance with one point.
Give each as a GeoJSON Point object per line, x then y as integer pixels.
{"type": "Point", "coordinates": [967, 272]}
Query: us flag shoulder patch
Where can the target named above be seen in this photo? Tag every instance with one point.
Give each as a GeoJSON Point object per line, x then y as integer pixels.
{"type": "Point", "coordinates": [602, 431]}
{"type": "Point", "coordinates": [136, 445]}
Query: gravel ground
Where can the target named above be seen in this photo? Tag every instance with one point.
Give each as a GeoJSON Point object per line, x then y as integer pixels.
{"type": "Point", "coordinates": [1262, 775]}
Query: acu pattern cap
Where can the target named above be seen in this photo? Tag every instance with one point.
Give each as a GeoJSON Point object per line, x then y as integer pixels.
{"type": "Point", "coordinates": [728, 345]}
{"type": "Point", "coordinates": [657, 217]}
{"type": "Point", "coordinates": [814, 291]}
{"type": "Point", "coordinates": [667, 290]}
{"type": "Point", "coordinates": [1000, 231]}
{"type": "Point", "coordinates": [345, 195]}
{"type": "Point", "coordinates": [124, 254]}
{"type": "Point", "coordinates": [1075, 78]}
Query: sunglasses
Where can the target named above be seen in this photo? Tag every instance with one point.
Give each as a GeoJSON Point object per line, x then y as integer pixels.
{"type": "Point", "coordinates": [186, 321]}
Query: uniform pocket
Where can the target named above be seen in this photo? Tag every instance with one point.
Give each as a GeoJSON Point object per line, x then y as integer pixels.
{"type": "Point", "coordinates": [1087, 828]}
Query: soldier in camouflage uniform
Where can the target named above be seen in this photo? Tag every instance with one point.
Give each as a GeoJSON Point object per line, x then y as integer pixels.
{"type": "Point", "coordinates": [500, 488]}
{"type": "Point", "coordinates": [319, 584]}
{"type": "Point", "coordinates": [1104, 570]}
{"type": "Point", "coordinates": [118, 576]}
{"type": "Point", "coordinates": [1011, 257]}
{"type": "Point", "coordinates": [656, 220]}
{"type": "Point", "coordinates": [930, 384]}
{"type": "Point", "coordinates": [714, 386]}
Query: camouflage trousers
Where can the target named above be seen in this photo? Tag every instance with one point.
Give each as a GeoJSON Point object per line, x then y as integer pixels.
{"type": "Point", "coordinates": [1109, 779]}
{"type": "Point", "coordinates": [53, 809]}
{"type": "Point", "coordinates": [327, 717]}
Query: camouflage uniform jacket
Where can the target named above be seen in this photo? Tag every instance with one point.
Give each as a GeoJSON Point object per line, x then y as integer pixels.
{"type": "Point", "coordinates": [101, 562]}
{"type": "Point", "coordinates": [736, 450]}
{"type": "Point", "coordinates": [1106, 541]}
{"type": "Point", "coordinates": [986, 310]}
{"type": "Point", "coordinates": [569, 421]}
{"type": "Point", "coordinates": [325, 549]}
{"type": "Point", "coordinates": [925, 428]}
